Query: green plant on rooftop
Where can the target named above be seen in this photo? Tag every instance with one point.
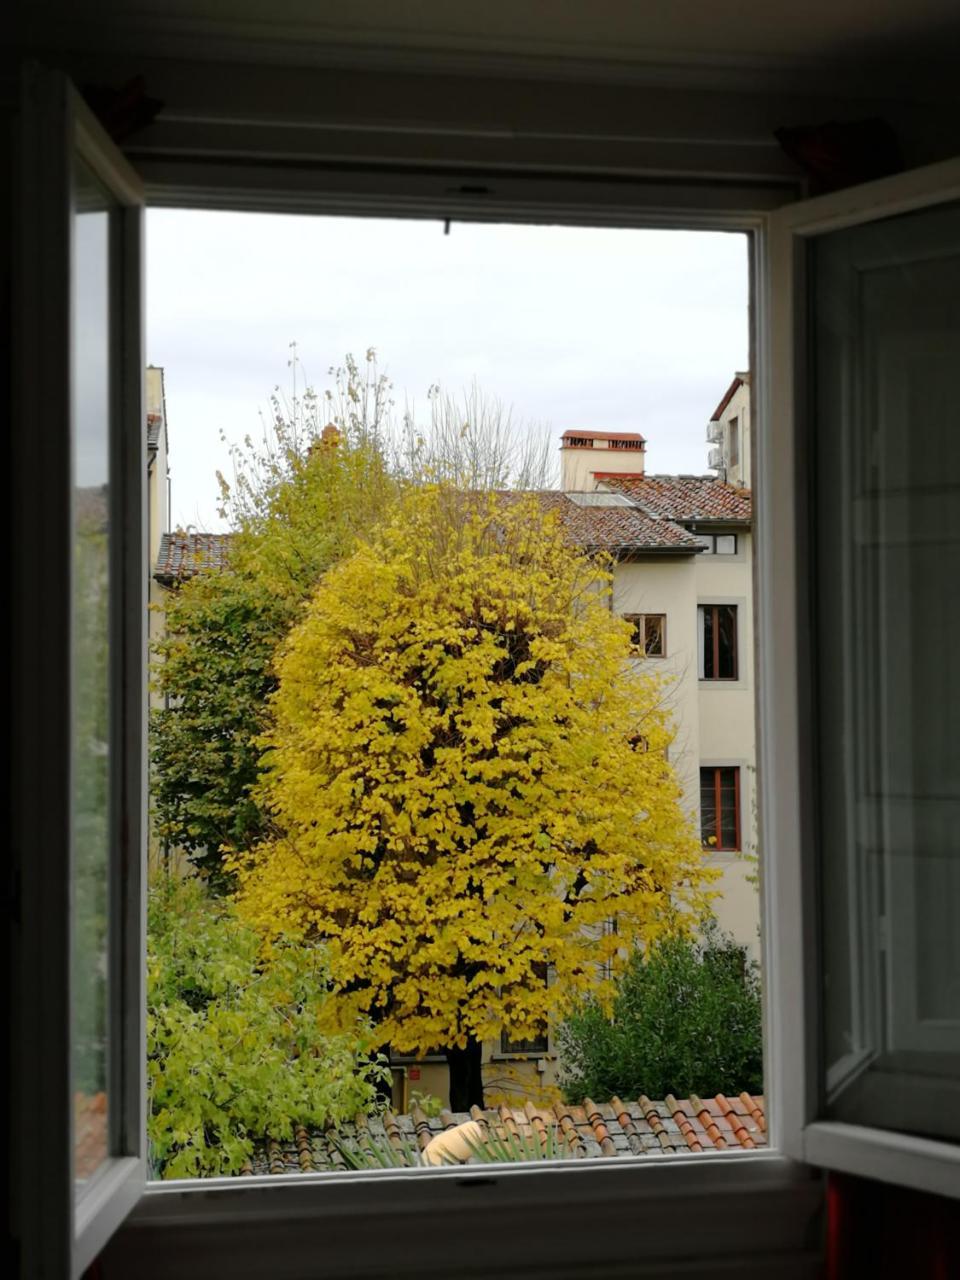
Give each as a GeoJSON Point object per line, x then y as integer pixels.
{"type": "Point", "coordinates": [686, 1020]}
{"type": "Point", "coordinates": [234, 1049]}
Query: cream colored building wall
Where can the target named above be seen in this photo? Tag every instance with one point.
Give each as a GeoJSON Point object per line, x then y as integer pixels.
{"type": "Point", "coordinates": [668, 585]}
{"type": "Point", "coordinates": [739, 408]}
{"type": "Point", "coordinates": [577, 465]}
{"type": "Point", "coordinates": [714, 719]}
{"type": "Point", "coordinates": [727, 717]}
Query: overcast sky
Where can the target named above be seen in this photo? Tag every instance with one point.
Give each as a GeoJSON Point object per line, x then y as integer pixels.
{"type": "Point", "coordinates": [592, 328]}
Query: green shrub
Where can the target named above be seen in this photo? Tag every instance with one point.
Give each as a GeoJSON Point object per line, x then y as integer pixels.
{"type": "Point", "coordinates": [686, 1019]}
{"type": "Point", "coordinates": [234, 1050]}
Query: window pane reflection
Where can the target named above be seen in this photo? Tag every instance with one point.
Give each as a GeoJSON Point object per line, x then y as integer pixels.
{"type": "Point", "coordinates": [90, 649]}
{"type": "Point", "coordinates": [887, 308]}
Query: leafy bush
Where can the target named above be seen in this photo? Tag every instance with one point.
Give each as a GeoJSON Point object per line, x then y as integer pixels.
{"type": "Point", "coordinates": [686, 1019]}
{"type": "Point", "coordinates": [233, 1046]}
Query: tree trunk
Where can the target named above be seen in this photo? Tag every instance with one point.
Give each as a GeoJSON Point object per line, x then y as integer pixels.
{"type": "Point", "coordinates": [466, 1078]}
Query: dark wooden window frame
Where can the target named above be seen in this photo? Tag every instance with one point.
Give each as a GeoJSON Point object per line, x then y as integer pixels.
{"type": "Point", "coordinates": [715, 611]}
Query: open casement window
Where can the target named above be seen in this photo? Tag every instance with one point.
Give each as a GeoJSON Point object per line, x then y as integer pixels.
{"type": "Point", "coordinates": [877, 833]}
{"type": "Point", "coordinates": [80, 695]}
{"type": "Point", "coordinates": [860, 530]}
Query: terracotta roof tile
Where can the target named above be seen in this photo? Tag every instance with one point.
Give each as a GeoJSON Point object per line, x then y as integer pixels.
{"type": "Point", "coordinates": [592, 1131]}
{"type": "Point", "coordinates": [182, 555]}
{"type": "Point", "coordinates": [688, 499]}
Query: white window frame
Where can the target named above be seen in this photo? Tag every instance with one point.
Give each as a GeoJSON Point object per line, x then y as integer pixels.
{"type": "Point", "coordinates": [429, 1213]}
{"type": "Point", "coordinates": [785, 672]}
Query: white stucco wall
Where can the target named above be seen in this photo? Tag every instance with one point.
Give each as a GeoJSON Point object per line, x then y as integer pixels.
{"type": "Point", "coordinates": [739, 408]}
{"type": "Point", "coordinates": [714, 719]}
{"type": "Point", "coordinates": [578, 463]}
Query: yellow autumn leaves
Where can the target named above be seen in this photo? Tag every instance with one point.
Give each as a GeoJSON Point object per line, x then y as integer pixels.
{"type": "Point", "coordinates": [467, 779]}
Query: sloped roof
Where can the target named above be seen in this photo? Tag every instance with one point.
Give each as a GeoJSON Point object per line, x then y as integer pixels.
{"type": "Point", "coordinates": [618, 529]}
{"type": "Point", "coordinates": [687, 499]}
{"type": "Point", "coordinates": [739, 380]}
{"type": "Point", "coordinates": [182, 555]}
{"type": "Point", "coordinates": [590, 1131]}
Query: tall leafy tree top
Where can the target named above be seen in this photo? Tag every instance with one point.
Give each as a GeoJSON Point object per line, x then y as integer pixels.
{"type": "Point", "coordinates": [467, 779]}
{"type": "Point", "coordinates": [297, 502]}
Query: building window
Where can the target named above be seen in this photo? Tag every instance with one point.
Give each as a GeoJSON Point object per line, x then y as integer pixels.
{"type": "Point", "coordinates": [720, 807]}
{"type": "Point", "coordinates": [733, 451]}
{"type": "Point", "coordinates": [717, 641]}
{"type": "Point", "coordinates": [649, 639]}
{"type": "Point", "coordinates": [717, 544]}
{"type": "Point", "coordinates": [538, 1045]}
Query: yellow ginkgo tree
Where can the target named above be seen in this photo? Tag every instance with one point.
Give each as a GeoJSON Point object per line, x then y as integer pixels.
{"type": "Point", "coordinates": [467, 779]}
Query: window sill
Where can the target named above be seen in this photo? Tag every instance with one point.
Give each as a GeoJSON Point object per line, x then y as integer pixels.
{"type": "Point", "coordinates": [560, 1219]}
{"type": "Point", "coordinates": [886, 1155]}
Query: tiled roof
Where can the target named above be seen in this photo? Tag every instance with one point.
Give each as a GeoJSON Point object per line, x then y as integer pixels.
{"type": "Point", "coordinates": [182, 555]}
{"type": "Point", "coordinates": [154, 422]}
{"type": "Point", "coordinates": [590, 1131]}
{"type": "Point", "coordinates": [686, 498]}
{"type": "Point", "coordinates": [654, 524]}
{"type": "Point", "coordinates": [617, 529]}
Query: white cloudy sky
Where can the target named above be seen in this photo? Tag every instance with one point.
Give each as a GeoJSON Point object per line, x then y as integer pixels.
{"type": "Point", "coordinates": [594, 328]}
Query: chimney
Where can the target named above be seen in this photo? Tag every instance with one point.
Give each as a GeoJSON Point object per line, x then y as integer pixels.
{"type": "Point", "coordinates": [587, 458]}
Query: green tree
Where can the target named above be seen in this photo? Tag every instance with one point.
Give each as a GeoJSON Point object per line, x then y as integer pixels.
{"type": "Point", "coordinates": [686, 1019]}
{"type": "Point", "coordinates": [296, 504]}
{"type": "Point", "coordinates": [234, 1049]}
{"type": "Point", "coordinates": [459, 793]}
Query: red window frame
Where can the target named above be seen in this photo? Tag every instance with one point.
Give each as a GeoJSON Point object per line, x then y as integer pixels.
{"type": "Point", "coordinates": [718, 824]}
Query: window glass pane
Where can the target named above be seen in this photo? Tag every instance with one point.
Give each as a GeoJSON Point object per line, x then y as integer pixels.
{"type": "Point", "coordinates": [726, 544]}
{"type": "Point", "coordinates": [727, 642]}
{"type": "Point", "coordinates": [708, 806]}
{"type": "Point", "coordinates": [734, 443]}
{"type": "Point", "coordinates": [653, 635]}
{"type": "Point", "coordinates": [729, 834]}
{"type": "Point", "coordinates": [91, 699]}
{"type": "Point", "coordinates": [709, 617]}
{"type": "Point", "coordinates": [636, 619]}
{"type": "Point", "coordinates": [887, 315]}
{"type": "Point", "coordinates": [706, 541]}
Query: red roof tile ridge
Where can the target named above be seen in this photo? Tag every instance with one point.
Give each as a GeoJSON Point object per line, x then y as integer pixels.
{"type": "Point", "coordinates": [657, 1127]}
{"type": "Point", "coordinates": [755, 1108]}
{"type": "Point", "coordinates": [740, 1131]}
{"type": "Point", "coordinates": [600, 1130]}
{"type": "Point", "coordinates": [625, 1121]}
{"type": "Point", "coordinates": [710, 1126]}
{"type": "Point", "coordinates": [537, 1125]}
{"type": "Point", "coordinates": [569, 1130]}
{"type": "Point", "coordinates": [682, 1122]}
